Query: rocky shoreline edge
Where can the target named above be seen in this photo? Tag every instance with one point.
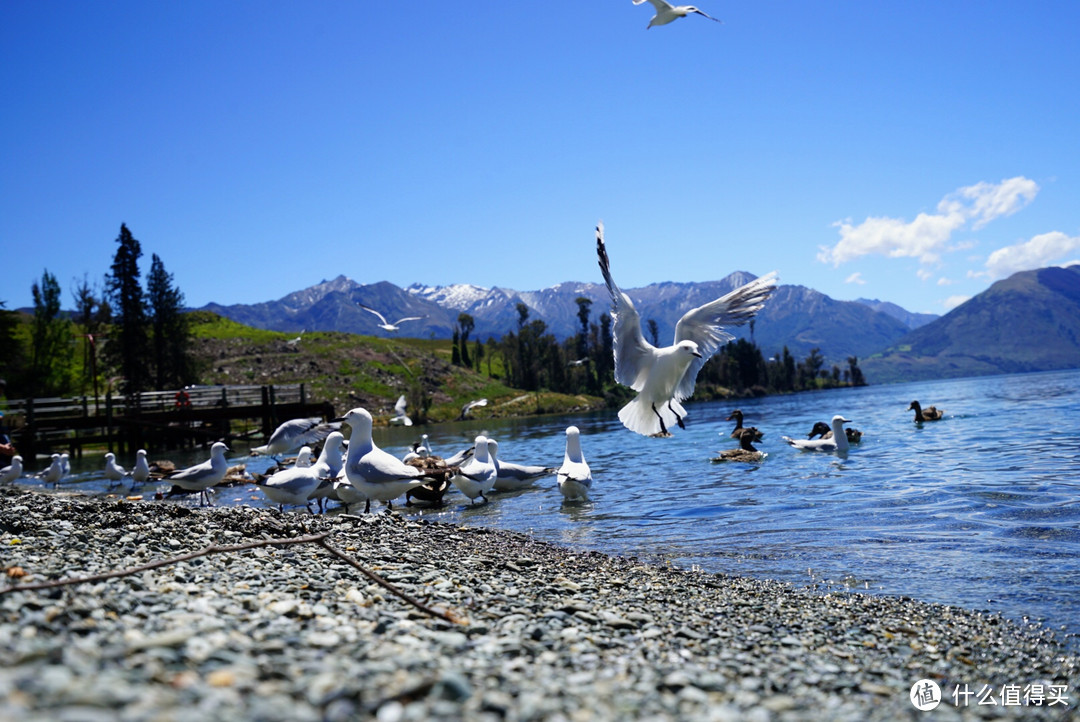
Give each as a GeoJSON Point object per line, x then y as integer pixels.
{"type": "Point", "coordinates": [294, 632]}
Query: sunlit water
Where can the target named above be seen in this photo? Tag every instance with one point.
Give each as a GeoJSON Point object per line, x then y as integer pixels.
{"type": "Point", "coordinates": [981, 509]}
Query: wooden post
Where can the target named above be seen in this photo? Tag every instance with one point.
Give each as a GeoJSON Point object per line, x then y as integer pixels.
{"type": "Point", "coordinates": [29, 442]}
{"type": "Point", "coordinates": [109, 424]}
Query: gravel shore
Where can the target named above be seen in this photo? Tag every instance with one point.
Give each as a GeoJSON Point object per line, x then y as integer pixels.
{"type": "Point", "coordinates": [296, 633]}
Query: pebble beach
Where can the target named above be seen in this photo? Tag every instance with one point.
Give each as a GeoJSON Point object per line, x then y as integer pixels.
{"type": "Point", "coordinates": [527, 630]}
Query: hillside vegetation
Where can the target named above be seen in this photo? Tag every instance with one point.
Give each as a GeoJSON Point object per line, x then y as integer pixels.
{"type": "Point", "coordinates": [350, 370]}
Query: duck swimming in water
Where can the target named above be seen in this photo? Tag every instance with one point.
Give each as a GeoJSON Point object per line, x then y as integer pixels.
{"type": "Point", "coordinates": [930, 413]}
{"type": "Point", "coordinates": [746, 451]}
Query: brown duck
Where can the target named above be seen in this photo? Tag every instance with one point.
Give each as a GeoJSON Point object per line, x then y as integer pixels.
{"type": "Point", "coordinates": [746, 451]}
{"type": "Point", "coordinates": [930, 413]}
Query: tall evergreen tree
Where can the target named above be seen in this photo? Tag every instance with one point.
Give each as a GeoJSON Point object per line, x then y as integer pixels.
{"type": "Point", "coordinates": [50, 364]}
{"type": "Point", "coordinates": [467, 324]}
{"type": "Point", "coordinates": [12, 358]}
{"type": "Point", "coordinates": [129, 348]}
{"type": "Point", "coordinates": [171, 338]}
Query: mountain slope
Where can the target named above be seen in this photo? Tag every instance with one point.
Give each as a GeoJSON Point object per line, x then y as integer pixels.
{"type": "Point", "coordinates": [1027, 322]}
{"type": "Point", "coordinates": [909, 319]}
{"type": "Point", "coordinates": [797, 317]}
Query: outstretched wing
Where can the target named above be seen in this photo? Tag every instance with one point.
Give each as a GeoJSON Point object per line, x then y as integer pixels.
{"type": "Point", "coordinates": [660, 5]}
{"type": "Point", "coordinates": [401, 404]}
{"type": "Point", "coordinates": [410, 318]}
{"type": "Point", "coordinates": [704, 325]}
{"type": "Point", "coordinates": [632, 352]}
{"type": "Point", "coordinates": [372, 310]}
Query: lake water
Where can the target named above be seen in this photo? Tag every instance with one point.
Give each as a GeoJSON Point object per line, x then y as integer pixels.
{"type": "Point", "coordinates": [980, 510]}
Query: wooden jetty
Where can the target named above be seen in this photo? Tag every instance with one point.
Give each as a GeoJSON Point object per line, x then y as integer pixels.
{"type": "Point", "coordinates": [156, 420]}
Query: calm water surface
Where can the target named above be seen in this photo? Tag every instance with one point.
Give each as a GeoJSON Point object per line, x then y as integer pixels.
{"type": "Point", "coordinates": [980, 510]}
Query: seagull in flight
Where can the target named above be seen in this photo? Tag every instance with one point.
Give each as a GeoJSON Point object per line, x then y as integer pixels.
{"type": "Point", "coordinates": [666, 12]}
{"type": "Point", "coordinates": [386, 325]}
{"type": "Point", "coordinates": [665, 376]}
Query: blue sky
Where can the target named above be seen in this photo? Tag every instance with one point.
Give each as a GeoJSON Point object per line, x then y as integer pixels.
{"type": "Point", "coordinates": [912, 152]}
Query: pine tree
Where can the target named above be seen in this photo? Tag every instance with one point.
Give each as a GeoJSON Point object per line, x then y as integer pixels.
{"type": "Point", "coordinates": [171, 338]}
{"type": "Point", "coordinates": [50, 364]}
{"type": "Point", "coordinates": [128, 350]}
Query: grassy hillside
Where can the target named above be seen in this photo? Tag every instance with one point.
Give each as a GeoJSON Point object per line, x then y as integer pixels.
{"type": "Point", "coordinates": [350, 370]}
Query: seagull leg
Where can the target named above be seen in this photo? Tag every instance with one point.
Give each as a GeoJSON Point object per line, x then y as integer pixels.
{"type": "Point", "coordinates": [367, 506]}
{"type": "Point", "coordinates": [663, 429]}
{"type": "Point", "coordinates": [677, 417]}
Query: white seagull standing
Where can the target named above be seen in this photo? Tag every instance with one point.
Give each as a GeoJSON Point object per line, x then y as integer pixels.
{"type": "Point", "coordinates": [386, 325]}
{"type": "Point", "coordinates": [575, 476]}
{"type": "Point", "coordinates": [665, 376]}
{"type": "Point", "coordinates": [401, 418]}
{"type": "Point", "coordinates": [202, 476]}
{"type": "Point", "coordinates": [55, 473]}
{"type": "Point", "coordinates": [666, 13]}
{"type": "Point", "coordinates": [294, 486]}
{"type": "Point", "coordinates": [476, 477]}
{"type": "Point", "coordinates": [141, 472]}
{"type": "Point", "coordinates": [13, 471]}
{"type": "Point", "coordinates": [295, 433]}
{"type": "Point", "coordinates": [838, 442]}
{"type": "Point", "coordinates": [370, 472]}
{"type": "Point", "coordinates": [328, 467]}
{"type": "Point", "coordinates": [113, 471]}
{"type": "Point", "coordinates": [510, 476]}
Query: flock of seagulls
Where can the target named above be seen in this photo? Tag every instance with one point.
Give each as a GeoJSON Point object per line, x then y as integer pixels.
{"type": "Point", "coordinates": [368, 473]}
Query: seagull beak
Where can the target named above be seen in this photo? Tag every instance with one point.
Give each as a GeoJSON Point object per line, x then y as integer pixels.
{"type": "Point", "coordinates": [342, 418]}
{"type": "Point", "coordinates": [697, 354]}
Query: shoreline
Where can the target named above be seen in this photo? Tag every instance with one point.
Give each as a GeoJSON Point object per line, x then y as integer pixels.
{"type": "Point", "coordinates": [294, 633]}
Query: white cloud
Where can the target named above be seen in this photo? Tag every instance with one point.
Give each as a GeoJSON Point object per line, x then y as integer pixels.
{"type": "Point", "coordinates": [928, 235]}
{"type": "Point", "coordinates": [924, 274]}
{"type": "Point", "coordinates": [855, 278]}
{"type": "Point", "coordinates": [944, 281]}
{"type": "Point", "coordinates": [953, 301]}
{"type": "Point", "coordinates": [1042, 250]}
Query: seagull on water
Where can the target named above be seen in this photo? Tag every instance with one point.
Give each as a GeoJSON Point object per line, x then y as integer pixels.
{"type": "Point", "coordinates": [370, 472]}
{"type": "Point", "coordinates": [202, 476]}
{"type": "Point", "coordinates": [575, 476]}
{"type": "Point", "coordinates": [665, 376]}
{"type": "Point", "coordinates": [837, 442]}
{"type": "Point", "coordinates": [13, 471]}
{"type": "Point", "coordinates": [295, 433]}
{"type": "Point", "coordinates": [477, 477]}
{"type": "Point", "coordinates": [386, 325]}
{"type": "Point", "coordinates": [113, 471]}
{"type": "Point", "coordinates": [401, 418]}
{"type": "Point", "coordinates": [666, 12]}
{"type": "Point", "coordinates": [510, 476]}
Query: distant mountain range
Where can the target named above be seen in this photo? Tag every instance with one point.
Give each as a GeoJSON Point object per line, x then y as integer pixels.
{"type": "Point", "coordinates": [797, 317]}
{"type": "Point", "coordinates": [1028, 322]}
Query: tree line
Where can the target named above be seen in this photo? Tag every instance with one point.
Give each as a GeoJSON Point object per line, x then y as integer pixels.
{"type": "Point", "coordinates": [119, 337]}
{"type": "Point", "coordinates": [532, 359]}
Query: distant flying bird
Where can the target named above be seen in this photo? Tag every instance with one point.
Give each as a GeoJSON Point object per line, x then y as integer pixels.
{"type": "Point", "coordinates": [665, 376]}
{"type": "Point", "coordinates": [666, 13]}
{"type": "Point", "coordinates": [294, 341]}
{"type": "Point", "coordinates": [466, 410]}
{"type": "Point", "coordinates": [386, 325]}
{"type": "Point", "coordinates": [401, 418]}
{"type": "Point", "coordinates": [295, 433]}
